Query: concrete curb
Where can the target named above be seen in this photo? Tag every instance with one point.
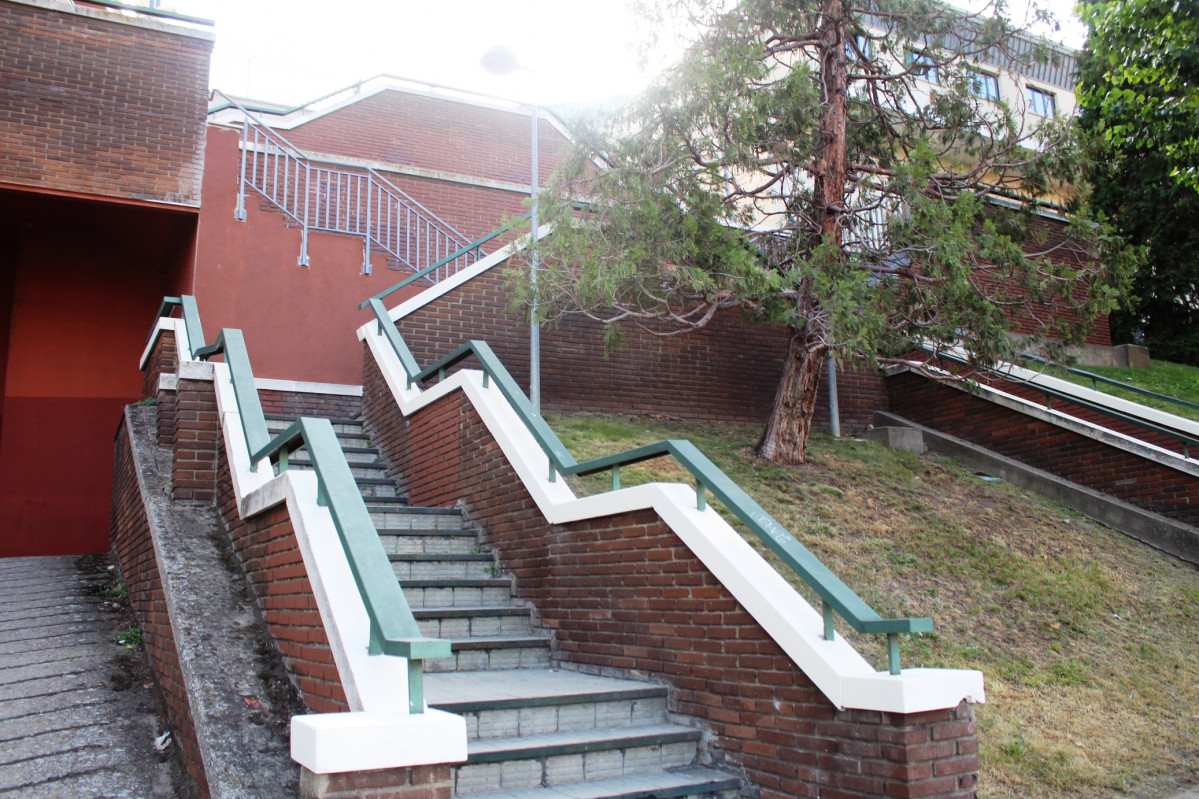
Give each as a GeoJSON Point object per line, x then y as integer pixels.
{"type": "Point", "coordinates": [1160, 532]}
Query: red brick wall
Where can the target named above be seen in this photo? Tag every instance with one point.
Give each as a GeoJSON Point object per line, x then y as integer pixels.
{"type": "Point", "coordinates": [1095, 417]}
{"type": "Point", "coordinates": [1075, 457]}
{"type": "Point", "coordinates": [267, 546]}
{"type": "Point", "coordinates": [297, 404]}
{"type": "Point", "coordinates": [414, 130]}
{"type": "Point", "coordinates": [623, 594]}
{"type": "Point", "coordinates": [1049, 235]}
{"type": "Point", "coordinates": [388, 430]}
{"type": "Point", "coordinates": [133, 550]}
{"type": "Point", "coordinates": [728, 371]}
{"type": "Point", "coordinates": [100, 107]}
{"type": "Point", "coordinates": [163, 360]}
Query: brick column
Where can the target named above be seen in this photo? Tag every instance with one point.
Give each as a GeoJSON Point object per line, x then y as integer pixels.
{"type": "Point", "coordinates": [194, 467]}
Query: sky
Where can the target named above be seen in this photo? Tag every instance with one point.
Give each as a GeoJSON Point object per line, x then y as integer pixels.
{"type": "Point", "coordinates": [571, 51]}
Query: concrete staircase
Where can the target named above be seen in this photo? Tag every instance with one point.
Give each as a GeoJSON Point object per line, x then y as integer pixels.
{"type": "Point", "coordinates": [533, 730]}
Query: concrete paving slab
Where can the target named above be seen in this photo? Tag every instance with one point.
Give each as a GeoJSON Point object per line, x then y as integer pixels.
{"type": "Point", "coordinates": [100, 634]}
{"type": "Point", "coordinates": [32, 705]}
{"type": "Point", "coordinates": [74, 722]}
{"type": "Point", "coordinates": [63, 718]}
{"type": "Point", "coordinates": [43, 654]}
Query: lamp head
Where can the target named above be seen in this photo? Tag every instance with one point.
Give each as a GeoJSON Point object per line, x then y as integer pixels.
{"type": "Point", "coordinates": [500, 61]}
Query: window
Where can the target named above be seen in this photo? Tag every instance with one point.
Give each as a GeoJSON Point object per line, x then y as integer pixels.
{"type": "Point", "coordinates": [984, 85]}
{"type": "Point", "coordinates": [1041, 102]}
{"type": "Point", "coordinates": [924, 66]}
{"type": "Point", "coordinates": [860, 44]}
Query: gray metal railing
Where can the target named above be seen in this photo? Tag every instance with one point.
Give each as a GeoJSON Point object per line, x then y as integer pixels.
{"type": "Point", "coordinates": [325, 197]}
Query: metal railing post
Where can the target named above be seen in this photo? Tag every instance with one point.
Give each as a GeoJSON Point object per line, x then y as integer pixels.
{"type": "Point", "coordinates": [239, 213]}
{"type": "Point", "coordinates": [304, 222]}
{"type": "Point", "coordinates": [366, 242]}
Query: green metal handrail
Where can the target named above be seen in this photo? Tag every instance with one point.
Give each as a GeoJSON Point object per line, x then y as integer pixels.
{"type": "Point", "coordinates": [393, 628]}
{"type": "Point", "coordinates": [835, 596]}
{"type": "Point", "coordinates": [1051, 394]}
{"type": "Point", "coordinates": [1094, 378]}
{"type": "Point", "coordinates": [478, 243]}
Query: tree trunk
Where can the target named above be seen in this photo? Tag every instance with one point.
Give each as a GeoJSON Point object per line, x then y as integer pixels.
{"type": "Point", "coordinates": [785, 439]}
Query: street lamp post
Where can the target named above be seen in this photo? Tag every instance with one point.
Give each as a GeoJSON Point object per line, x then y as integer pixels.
{"type": "Point", "coordinates": [502, 61]}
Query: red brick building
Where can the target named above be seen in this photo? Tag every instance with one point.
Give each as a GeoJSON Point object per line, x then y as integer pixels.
{"type": "Point", "coordinates": [102, 117]}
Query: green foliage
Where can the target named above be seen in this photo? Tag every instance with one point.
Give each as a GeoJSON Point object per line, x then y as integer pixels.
{"type": "Point", "coordinates": [1142, 161]}
{"type": "Point", "coordinates": [130, 638]}
{"type": "Point", "coordinates": [872, 194]}
{"type": "Point", "coordinates": [1146, 96]}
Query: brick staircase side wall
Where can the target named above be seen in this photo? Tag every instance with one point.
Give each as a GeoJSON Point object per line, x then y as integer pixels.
{"type": "Point", "coordinates": [163, 360]}
{"type": "Point", "coordinates": [1038, 443]}
{"type": "Point", "coordinates": [624, 595]}
{"type": "Point", "coordinates": [1095, 417]}
{"type": "Point", "coordinates": [266, 544]}
{"type": "Point", "coordinates": [387, 430]}
{"type": "Point", "coordinates": [134, 551]}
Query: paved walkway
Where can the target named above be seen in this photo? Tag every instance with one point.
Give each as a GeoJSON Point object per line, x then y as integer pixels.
{"type": "Point", "coordinates": [76, 719]}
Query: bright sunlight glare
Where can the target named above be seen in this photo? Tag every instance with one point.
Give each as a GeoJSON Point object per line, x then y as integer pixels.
{"type": "Point", "coordinates": [571, 51]}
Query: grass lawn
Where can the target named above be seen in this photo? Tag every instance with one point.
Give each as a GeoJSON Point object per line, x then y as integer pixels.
{"type": "Point", "coordinates": [1089, 641]}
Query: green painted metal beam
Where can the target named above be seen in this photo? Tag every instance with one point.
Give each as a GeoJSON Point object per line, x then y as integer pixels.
{"type": "Point", "coordinates": [388, 329]}
{"type": "Point", "coordinates": [834, 594]}
{"type": "Point", "coordinates": [191, 323]}
{"type": "Point", "coordinates": [1094, 378]}
{"type": "Point", "coordinates": [1052, 394]}
{"type": "Point", "coordinates": [393, 628]}
{"type": "Point", "coordinates": [232, 345]}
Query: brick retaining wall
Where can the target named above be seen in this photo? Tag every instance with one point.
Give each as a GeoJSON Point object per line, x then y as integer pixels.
{"type": "Point", "coordinates": [133, 550]}
{"type": "Point", "coordinates": [1073, 456]}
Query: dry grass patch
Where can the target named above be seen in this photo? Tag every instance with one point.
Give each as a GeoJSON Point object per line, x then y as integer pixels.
{"type": "Point", "coordinates": [1089, 641]}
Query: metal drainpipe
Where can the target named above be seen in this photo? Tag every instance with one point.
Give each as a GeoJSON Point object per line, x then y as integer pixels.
{"type": "Point", "coordinates": [834, 413]}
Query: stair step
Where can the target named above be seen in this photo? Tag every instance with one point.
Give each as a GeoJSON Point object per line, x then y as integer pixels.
{"type": "Point", "coordinates": [469, 565]}
{"type": "Point", "coordinates": [433, 542]}
{"type": "Point", "coordinates": [476, 622]}
{"type": "Point", "coordinates": [457, 593]}
{"type": "Point", "coordinates": [395, 515]}
{"type": "Point", "coordinates": [377, 488]}
{"type": "Point", "coordinates": [369, 472]}
{"type": "Point", "coordinates": [496, 764]}
{"type": "Point", "coordinates": [666, 784]}
{"type": "Point", "coordinates": [505, 704]}
{"type": "Point", "coordinates": [354, 455]}
{"type": "Point", "coordinates": [276, 423]}
{"type": "Point", "coordinates": [493, 654]}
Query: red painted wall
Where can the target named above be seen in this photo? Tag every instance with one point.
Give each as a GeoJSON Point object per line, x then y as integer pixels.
{"type": "Point", "coordinates": [299, 322]}
{"type": "Point", "coordinates": [85, 281]}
